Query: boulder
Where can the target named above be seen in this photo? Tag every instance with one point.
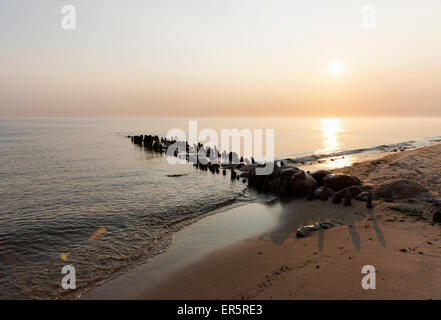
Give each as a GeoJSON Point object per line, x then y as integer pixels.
{"type": "Point", "coordinates": [306, 230]}
{"type": "Point", "coordinates": [247, 167]}
{"type": "Point", "coordinates": [354, 190]}
{"type": "Point", "coordinates": [363, 196]}
{"type": "Point", "coordinates": [246, 170]}
{"type": "Point", "coordinates": [301, 183]}
{"type": "Point", "coordinates": [275, 173]}
{"type": "Point", "coordinates": [258, 181]}
{"type": "Point", "coordinates": [399, 189]}
{"type": "Point", "coordinates": [311, 195]}
{"type": "Point", "coordinates": [338, 181]}
{"type": "Point", "coordinates": [366, 187]}
{"type": "Point", "coordinates": [287, 170]}
{"type": "Point", "coordinates": [271, 186]}
{"type": "Point", "coordinates": [240, 165]}
{"type": "Point", "coordinates": [283, 189]}
{"type": "Point", "coordinates": [287, 162]}
{"type": "Point", "coordinates": [408, 209]}
{"type": "Point", "coordinates": [245, 174]}
{"type": "Point", "coordinates": [318, 193]}
{"type": "Point", "coordinates": [251, 178]}
{"type": "Point", "coordinates": [319, 176]}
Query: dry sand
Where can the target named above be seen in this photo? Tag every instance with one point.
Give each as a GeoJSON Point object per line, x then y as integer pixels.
{"type": "Point", "coordinates": [404, 247]}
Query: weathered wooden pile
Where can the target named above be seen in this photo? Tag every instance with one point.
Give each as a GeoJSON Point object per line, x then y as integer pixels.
{"type": "Point", "coordinates": [285, 180]}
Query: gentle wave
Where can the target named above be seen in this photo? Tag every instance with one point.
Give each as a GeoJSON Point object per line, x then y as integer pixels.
{"type": "Point", "coordinates": [384, 148]}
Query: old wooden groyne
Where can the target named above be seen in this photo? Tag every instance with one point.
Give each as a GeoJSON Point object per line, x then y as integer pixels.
{"type": "Point", "coordinates": [284, 180]}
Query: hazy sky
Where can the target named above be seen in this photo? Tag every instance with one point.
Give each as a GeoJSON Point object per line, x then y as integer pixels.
{"type": "Point", "coordinates": [220, 58]}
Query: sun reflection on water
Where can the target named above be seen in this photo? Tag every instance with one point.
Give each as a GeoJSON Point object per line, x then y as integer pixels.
{"type": "Point", "coordinates": [330, 129]}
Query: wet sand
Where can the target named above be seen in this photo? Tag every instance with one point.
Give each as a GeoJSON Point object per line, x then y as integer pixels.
{"type": "Point", "coordinates": [252, 252]}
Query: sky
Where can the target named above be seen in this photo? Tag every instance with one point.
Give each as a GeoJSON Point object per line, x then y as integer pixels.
{"type": "Point", "coordinates": [220, 58]}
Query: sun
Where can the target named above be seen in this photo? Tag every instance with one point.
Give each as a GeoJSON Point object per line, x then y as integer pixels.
{"type": "Point", "coordinates": [336, 68]}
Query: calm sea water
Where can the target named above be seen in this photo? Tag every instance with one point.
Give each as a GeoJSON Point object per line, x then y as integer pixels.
{"type": "Point", "coordinates": [76, 191]}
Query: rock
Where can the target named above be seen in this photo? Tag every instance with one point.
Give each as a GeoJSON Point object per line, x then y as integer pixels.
{"type": "Point", "coordinates": [256, 181]}
{"type": "Point", "coordinates": [408, 209]}
{"type": "Point", "coordinates": [245, 174]}
{"type": "Point", "coordinates": [261, 182]}
{"type": "Point", "coordinates": [284, 186]}
{"type": "Point", "coordinates": [328, 224]}
{"type": "Point", "coordinates": [301, 183]}
{"type": "Point", "coordinates": [275, 173]}
{"type": "Point", "coordinates": [288, 170]}
{"type": "Point", "coordinates": [311, 195]}
{"type": "Point", "coordinates": [317, 192]}
{"type": "Point", "coordinates": [266, 184]}
{"type": "Point", "coordinates": [247, 167]}
{"type": "Point", "coordinates": [319, 176]}
{"type": "Point", "coordinates": [354, 190]}
{"type": "Point", "coordinates": [399, 189]}
{"type": "Point", "coordinates": [337, 181]}
{"type": "Point", "coordinates": [366, 187]}
{"type": "Point", "coordinates": [306, 230]}
{"type": "Point", "coordinates": [277, 184]}
{"type": "Point", "coordinates": [240, 165]}
{"type": "Point", "coordinates": [272, 185]}
{"type": "Point", "coordinates": [363, 196]}
{"type": "Point", "coordinates": [228, 166]}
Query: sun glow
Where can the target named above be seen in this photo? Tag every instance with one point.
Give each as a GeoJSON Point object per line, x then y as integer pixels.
{"type": "Point", "coordinates": [335, 68]}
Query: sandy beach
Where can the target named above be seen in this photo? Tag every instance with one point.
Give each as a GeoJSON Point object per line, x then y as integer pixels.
{"type": "Point", "coordinates": [268, 260]}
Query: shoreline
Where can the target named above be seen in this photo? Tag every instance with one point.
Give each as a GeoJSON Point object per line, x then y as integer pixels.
{"type": "Point", "coordinates": [189, 244]}
{"type": "Point", "coordinates": [180, 283]}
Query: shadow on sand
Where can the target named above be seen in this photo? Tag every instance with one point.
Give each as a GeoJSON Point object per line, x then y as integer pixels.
{"type": "Point", "coordinates": [296, 213]}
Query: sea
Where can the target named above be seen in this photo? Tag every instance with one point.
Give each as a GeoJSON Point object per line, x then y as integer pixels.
{"type": "Point", "coordinates": [76, 191]}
